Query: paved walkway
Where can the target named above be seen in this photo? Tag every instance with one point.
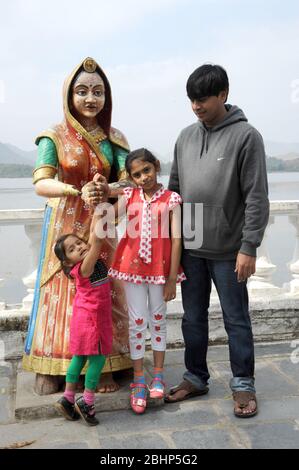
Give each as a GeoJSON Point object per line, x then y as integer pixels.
{"type": "Point", "coordinates": [201, 423]}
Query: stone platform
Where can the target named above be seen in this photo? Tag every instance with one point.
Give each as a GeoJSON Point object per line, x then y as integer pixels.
{"type": "Point", "coordinates": [275, 319]}
{"type": "Point", "coordinates": [201, 423]}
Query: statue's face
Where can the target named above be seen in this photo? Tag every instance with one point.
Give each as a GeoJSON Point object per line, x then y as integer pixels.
{"type": "Point", "coordinates": [88, 98]}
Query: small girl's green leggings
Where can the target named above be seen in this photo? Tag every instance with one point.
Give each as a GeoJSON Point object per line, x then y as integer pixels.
{"type": "Point", "coordinates": [93, 373]}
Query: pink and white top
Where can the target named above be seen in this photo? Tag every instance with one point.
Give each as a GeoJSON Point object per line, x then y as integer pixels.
{"type": "Point", "coordinates": [144, 253]}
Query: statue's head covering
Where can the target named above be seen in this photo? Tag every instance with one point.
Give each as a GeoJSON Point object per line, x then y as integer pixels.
{"type": "Point", "coordinates": [88, 65]}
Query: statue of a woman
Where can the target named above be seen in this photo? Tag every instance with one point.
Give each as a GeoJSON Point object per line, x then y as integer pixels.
{"type": "Point", "coordinates": [69, 155]}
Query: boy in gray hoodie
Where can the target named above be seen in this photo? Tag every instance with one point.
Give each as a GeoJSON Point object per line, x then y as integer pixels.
{"type": "Point", "coordinates": [219, 162]}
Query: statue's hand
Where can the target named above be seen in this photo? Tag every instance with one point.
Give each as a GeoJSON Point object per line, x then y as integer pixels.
{"type": "Point", "coordinates": [90, 194]}
{"type": "Point", "coordinates": [96, 191]}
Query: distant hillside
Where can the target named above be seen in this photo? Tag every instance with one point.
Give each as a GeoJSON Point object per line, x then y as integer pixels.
{"type": "Point", "coordinates": [7, 155]}
{"type": "Point", "coordinates": [281, 149]}
{"type": "Point", "coordinates": [29, 157]}
{"type": "Point", "coordinates": [11, 170]}
{"type": "Point", "coordinates": [13, 155]}
{"type": "Point", "coordinates": [288, 156]}
{"type": "Point", "coordinates": [278, 164]}
{"type": "Point", "coordinates": [17, 163]}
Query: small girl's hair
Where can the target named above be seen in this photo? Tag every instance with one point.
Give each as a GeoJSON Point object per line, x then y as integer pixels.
{"type": "Point", "coordinates": [59, 251]}
{"type": "Point", "coordinates": [140, 154]}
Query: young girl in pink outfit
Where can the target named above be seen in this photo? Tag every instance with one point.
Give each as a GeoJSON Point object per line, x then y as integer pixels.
{"type": "Point", "coordinates": [147, 260]}
{"type": "Point", "coordinates": [91, 322]}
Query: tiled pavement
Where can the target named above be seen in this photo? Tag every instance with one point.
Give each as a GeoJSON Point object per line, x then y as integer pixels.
{"type": "Point", "coordinates": [201, 423]}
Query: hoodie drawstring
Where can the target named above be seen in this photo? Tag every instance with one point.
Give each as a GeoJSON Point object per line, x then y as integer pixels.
{"type": "Point", "coordinates": [205, 142]}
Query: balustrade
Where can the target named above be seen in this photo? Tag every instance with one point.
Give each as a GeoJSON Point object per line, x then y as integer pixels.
{"type": "Point", "coordinates": [260, 285]}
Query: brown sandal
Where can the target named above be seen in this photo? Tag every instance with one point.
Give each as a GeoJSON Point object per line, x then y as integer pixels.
{"type": "Point", "coordinates": [188, 387]}
{"type": "Point", "coordinates": [242, 400]}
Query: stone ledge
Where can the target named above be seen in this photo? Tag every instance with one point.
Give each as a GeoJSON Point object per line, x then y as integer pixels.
{"type": "Point", "coordinates": [30, 406]}
{"type": "Point", "coordinates": [13, 320]}
{"type": "Point", "coordinates": [12, 345]}
{"type": "Point", "coordinates": [277, 304]}
{"type": "Point", "coordinates": [272, 320]}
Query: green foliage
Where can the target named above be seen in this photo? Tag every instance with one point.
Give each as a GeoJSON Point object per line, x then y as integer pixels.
{"type": "Point", "coordinates": [11, 170]}
{"type": "Point", "coordinates": [275, 164]}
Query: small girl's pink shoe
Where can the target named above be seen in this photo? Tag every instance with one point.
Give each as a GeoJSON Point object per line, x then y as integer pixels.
{"type": "Point", "coordinates": [157, 388]}
{"type": "Point", "coordinates": [138, 404]}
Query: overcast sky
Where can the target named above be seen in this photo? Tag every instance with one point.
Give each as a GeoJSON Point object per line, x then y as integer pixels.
{"type": "Point", "coordinates": [148, 48]}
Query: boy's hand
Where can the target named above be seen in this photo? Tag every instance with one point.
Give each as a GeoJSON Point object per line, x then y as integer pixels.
{"type": "Point", "coordinates": [245, 266]}
{"type": "Point", "coordinates": [169, 292]}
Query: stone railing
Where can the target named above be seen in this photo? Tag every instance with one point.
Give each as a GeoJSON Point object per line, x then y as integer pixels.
{"type": "Point", "coordinates": [14, 320]}
{"type": "Point", "coordinates": [32, 220]}
{"type": "Point", "coordinates": [275, 309]}
{"type": "Point", "coordinates": [260, 285]}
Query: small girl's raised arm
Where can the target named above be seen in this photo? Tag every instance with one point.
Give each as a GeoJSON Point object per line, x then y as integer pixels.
{"type": "Point", "coordinates": [94, 242]}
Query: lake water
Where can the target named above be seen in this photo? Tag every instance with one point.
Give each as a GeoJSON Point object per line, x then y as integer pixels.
{"type": "Point", "coordinates": [15, 257]}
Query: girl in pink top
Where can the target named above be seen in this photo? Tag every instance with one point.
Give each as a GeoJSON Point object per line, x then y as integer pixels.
{"type": "Point", "coordinates": [91, 322]}
{"type": "Point", "coordinates": [147, 260]}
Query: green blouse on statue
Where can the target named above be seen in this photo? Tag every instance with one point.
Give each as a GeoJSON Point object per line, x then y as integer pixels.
{"type": "Point", "coordinates": [47, 154]}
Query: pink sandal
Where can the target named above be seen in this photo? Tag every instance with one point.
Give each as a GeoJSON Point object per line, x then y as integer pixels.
{"type": "Point", "coordinates": [138, 405]}
{"type": "Point", "coordinates": [156, 392]}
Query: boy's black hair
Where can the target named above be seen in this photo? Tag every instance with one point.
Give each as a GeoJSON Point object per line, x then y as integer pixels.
{"type": "Point", "coordinates": [207, 80]}
{"type": "Point", "coordinates": [140, 154]}
{"type": "Point", "coordinates": [59, 251]}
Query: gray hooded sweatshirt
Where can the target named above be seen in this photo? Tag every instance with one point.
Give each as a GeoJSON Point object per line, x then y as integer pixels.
{"type": "Point", "coordinates": [224, 168]}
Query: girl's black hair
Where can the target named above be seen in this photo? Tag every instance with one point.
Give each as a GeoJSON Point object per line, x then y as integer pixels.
{"type": "Point", "coordinates": [59, 251]}
{"type": "Point", "coordinates": [207, 80]}
{"type": "Point", "coordinates": [140, 154]}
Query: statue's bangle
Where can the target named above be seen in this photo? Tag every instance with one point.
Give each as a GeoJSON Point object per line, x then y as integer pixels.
{"type": "Point", "coordinates": [69, 190]}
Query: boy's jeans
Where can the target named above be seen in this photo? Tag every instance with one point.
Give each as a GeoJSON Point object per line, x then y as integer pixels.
{"type": "Point", "coordinates": [234, 303]}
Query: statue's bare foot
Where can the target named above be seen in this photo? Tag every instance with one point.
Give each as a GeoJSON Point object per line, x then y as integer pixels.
{"type": "Point", "coordinates": [107, 384]}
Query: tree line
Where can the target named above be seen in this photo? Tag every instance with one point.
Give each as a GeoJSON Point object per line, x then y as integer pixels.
{"type": "Point", "coordinates": [13, 170]}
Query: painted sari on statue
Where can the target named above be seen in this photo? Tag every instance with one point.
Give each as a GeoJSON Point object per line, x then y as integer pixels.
{"type": "Point", "coordinates": [72, 155]}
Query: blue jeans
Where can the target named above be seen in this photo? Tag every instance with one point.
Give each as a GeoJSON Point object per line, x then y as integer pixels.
{"type": "Point", "coordinates": [195, 327]}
